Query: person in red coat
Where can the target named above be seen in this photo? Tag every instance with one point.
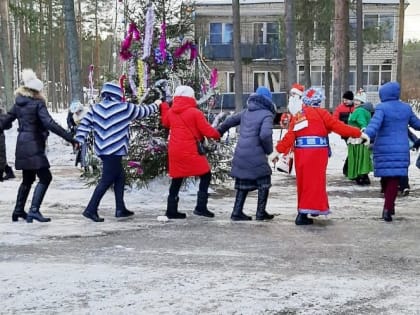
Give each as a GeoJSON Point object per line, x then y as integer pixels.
{"type": "Point", "coordinates": [342, 112]}
{"type": "Point", "coordinates": [187, 125]}
{"type": "Point", "coordinates": [308, 134]}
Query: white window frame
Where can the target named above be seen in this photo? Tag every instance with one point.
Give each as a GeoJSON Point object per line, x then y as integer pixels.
{"type": "Point", "coordinates": [224, 32]}
{"type": "Point", "coordinates": [274, 88]}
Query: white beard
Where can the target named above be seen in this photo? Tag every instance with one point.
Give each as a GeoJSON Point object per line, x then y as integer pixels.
{"type": "Point", "coordinates": [295, 104]}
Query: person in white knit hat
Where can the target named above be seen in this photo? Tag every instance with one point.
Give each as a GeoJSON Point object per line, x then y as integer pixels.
{"type": "Point", "coordinates": [34, 125]}
{"type": "Point", "coordinates": [188, 127]}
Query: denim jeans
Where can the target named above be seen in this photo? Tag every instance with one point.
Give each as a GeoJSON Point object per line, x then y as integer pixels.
{"type": "Point", "coordinates": [112, 174]}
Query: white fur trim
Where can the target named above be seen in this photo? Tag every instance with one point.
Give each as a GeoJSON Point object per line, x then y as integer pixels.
{"type": "Point", "coordinates": [296, 91]}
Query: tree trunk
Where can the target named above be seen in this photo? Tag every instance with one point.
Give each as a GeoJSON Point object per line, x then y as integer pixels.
{"type": "Point", "coordinates": [400, 41]}
{"type": "Point", "coordinates": [6, 58]}
{"type": "Point", "coordinates": [237, 55]}
{"type": "Point", "coordinates": [359, 43]}
{"type": "Point", "coordinates": [72, 50]}
{"type": "Point", "coordinates": [339, 53]}
{"type": "Point", "coordinates": [290, 42]}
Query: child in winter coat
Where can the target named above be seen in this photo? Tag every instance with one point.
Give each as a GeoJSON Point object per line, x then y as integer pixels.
{"type": "Point", "coordinates": [250, 167]}
{"type": "Point", "coordinates": [391, 156]}
{"type": "Point", "coordinates": [187, 125]}
{"type": "Point", "coordinates": [34, 123]}
{"type": "Point", "coordinates": [308, 133]}
{"type": "Point", "coordinates": [359, 157]}
{"type": "Point", "coordinates": [110, 120]}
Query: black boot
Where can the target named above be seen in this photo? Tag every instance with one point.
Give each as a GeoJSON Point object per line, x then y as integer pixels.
{"type": "Point", "coordinates": [201, 207]}
{"type": "Point", "coordinates": [365, 179]}
{"type": "Point", "coordinates": [9, 172]}
{"type": "Point", "coordinates": [302, 219]}
{"type": "Point", "coordinates": [237, 213]}
{"type": "Point", "coordinates": [123, 213]}
{"type": "Point", "coordinates": [93, 216]}
{"type": "Point", "coordinates": [37, 198]}
{"type": "Point", "coordinates": [1, 175]}
{"type": "Point", "coordinates": [387, 215]}
{"type": "Point", "coordinates": [172, 209]}
{"type": "Point", "coordinates": [261, 204]}
{"type": "Point", "coordinates": [22, 196]}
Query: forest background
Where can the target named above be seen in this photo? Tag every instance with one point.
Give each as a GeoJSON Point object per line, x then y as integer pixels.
{"type": "Point", "coordinates": [63, 40]}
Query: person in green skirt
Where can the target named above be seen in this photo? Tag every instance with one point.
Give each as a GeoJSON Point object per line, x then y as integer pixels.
{"type": "Point", "coordinates": [359, 155]}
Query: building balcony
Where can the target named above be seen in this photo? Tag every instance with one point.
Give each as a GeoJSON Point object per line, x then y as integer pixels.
{"type": "Point", "coordinates": [248, 51]}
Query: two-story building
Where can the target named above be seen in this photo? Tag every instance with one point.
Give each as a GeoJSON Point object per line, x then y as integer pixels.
{"type": "Point", "coordinates": [263, 51]}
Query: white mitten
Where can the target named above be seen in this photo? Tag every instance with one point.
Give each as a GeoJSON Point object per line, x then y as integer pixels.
{"type": "Point", "coordinates": [274, 156]}
{"type": "Point", "coordinates": [365, 139]}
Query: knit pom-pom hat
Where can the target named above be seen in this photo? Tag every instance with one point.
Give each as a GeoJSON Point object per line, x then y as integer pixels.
{"type": "Point", "coordinates": [313, 97]}
{"type": "Point", "coordinates": [184, 90]}
{"type": "Point", "coordinates": [30, 80]}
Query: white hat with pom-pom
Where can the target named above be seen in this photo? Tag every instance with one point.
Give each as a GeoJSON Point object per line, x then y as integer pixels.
{"type": "Point", "coordinates": [30, 80]}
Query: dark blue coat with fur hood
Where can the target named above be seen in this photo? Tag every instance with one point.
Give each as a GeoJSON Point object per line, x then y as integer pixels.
{"type": "Point", "coordinates": [255, 138]}
{"type": "Point", "coordinates": [34, 122]}
{"type": "Point", "coordinates": [388, 126]}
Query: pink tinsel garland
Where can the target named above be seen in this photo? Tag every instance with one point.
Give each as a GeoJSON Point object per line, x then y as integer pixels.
{"type": "Point", "coordinates": [132, 33]}
{"type": "Point", "coordinates": [162, 41]}
{"type": "Point", "coordinates": [187, 46]}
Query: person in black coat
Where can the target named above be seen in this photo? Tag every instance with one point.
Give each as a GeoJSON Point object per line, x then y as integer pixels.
{"type": "Point", "coordinates": [34, 123]}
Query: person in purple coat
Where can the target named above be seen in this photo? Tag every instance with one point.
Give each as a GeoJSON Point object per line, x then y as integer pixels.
{"type": "Point", "coordinates": [391, 156]}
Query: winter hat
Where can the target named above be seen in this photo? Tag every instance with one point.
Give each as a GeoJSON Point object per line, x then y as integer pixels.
{"type": "Point", "coordinates": [313, 97]}
{"type": "Point", "coordinates": [360, 96]}
{"type": "Point", "coordinates": [348, 95]}
{"type": "Point", "coordinates": [30, 80]}
{"type": "Point", "coordinates": [184, 90]}
{"type": "Point", "coordinates": [263, 91]}
{"type": "Point", "coordinates": [297, 89]}
{"type": "Point", "coordinates": [113, 89]}
{"type": "Point", "coordinates": [75, 107]}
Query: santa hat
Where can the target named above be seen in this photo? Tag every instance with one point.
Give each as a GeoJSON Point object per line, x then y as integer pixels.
{"type": "Point", "coordinates": [184, 90]}
{"type": "Point", "coordinates": [30, 80]}
{"type": "Point", "coordinates": [297, 89]}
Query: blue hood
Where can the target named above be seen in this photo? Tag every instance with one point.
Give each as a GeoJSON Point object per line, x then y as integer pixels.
{"type": "Point", "coordinates": [257, 102]}
{"type": "Point", "coordinates": [390, 92]}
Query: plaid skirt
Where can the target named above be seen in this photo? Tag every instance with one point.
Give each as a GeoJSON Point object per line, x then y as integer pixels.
{"type": "Point", "coordinates": [253, 184]}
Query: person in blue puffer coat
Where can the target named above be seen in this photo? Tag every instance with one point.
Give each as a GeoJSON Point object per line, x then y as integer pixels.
{"type": "Point", "coordinates": [250, 166]}
{"type": "Point", "coordinates": [391, 156]}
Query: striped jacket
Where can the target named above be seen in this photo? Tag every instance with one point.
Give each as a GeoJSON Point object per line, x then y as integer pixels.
{"type": "Point", "coordinates": [110, 121]}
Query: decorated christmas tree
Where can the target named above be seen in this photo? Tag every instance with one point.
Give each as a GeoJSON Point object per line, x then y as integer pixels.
{"type": "Point", "coordinates": [159, 54]}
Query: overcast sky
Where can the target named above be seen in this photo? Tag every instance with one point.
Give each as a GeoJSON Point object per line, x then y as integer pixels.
{"type": "Point", "coordinates": [412, 21]}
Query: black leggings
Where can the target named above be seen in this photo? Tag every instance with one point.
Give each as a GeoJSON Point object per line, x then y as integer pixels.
{"type": "Point", "coordinates": [43, 174]}
{"type": "Point", "coordinates": [177, 182]}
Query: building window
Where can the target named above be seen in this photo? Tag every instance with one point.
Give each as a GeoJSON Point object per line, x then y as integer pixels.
{"type": "Point", "coordinates": [317, 75]}
{"type": "Point", "coordinates": [382, 23]}
{"type": "Point", "coordinates": [373, 77]}
{"type": "Point", "coordinates": [266, 33]}
{"type": "Point", "coordinates": [270, 79]}
{"type": "Point", "coordinates": [221, 33]}
{"type": "Point", "coordinates": [230, 82]}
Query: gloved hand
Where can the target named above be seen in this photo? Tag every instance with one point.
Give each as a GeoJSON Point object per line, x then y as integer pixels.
{"type": "Point", "coordinates": [75, 144]}
{"type": "Point", "coordinates": [158, 102]}
{"type": "Point", "coordinates": [274, 156]}
{"type": "Point", "coordinates": [365, 139]}
{"type": "Point", "coordinates": [416, 144]}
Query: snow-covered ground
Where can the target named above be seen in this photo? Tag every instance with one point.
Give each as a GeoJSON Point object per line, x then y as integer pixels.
{"type": "Point", "coordinates": [348, 263]}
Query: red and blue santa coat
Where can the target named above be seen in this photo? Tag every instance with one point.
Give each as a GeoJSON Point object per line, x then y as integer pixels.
{"type": "Point", "coordinates": [311, 156]}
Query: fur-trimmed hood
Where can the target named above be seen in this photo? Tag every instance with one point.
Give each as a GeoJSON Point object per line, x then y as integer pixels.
{"type": "Point", "coordinates": [25, 92]}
